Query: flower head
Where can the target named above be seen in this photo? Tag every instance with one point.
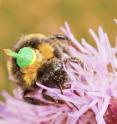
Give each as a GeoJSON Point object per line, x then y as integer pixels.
{"type": "Point", "coordinates": [92, 97]}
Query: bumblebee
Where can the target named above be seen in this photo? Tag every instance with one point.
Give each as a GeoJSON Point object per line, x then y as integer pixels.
{"type": "Point", "coordinates": [38, 58]}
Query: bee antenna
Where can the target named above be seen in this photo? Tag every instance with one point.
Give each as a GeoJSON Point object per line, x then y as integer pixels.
{"type": "Point", "coordinates": [61, 88]}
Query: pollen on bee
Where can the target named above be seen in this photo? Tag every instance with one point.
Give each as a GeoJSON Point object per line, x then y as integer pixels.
{"type": "Point", "coordinates": [47, 50]}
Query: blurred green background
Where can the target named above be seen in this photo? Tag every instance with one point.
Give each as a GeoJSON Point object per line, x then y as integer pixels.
{"type": "Point", "coordinates": [19, 17]}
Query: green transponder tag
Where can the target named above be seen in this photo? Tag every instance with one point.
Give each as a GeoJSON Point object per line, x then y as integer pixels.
{"type": "Point", "coordinates": [25, 57]}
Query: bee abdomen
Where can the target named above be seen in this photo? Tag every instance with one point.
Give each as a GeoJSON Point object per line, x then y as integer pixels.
{"type": "Point", "coordinates": [52, 74]}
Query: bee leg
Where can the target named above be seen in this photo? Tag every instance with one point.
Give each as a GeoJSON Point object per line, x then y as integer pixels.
{"type": "Point", "coordinates": [47, 97]}
{"type": "Point", "coordinates": [60, 88]}
{"type": "Point", "coordinates": [31, 100]}
{"type": "Point", "coordinates": [75, 60]}
{"type": "Point", "coordinates": [58, 52]}
{"type": "Point", "coordinates": [62, 93]}
{"type": "Point", "coordinates": [60, 37]}
{"type": "Point", "coordinates": [74, 105]}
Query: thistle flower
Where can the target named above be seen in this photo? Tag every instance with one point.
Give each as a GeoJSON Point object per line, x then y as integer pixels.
{"type": "Point", "coordinates": [92, 97]}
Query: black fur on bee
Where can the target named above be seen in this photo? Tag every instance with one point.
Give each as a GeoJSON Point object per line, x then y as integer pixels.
{"type": "Point", "coordinates": [32, 42]}
{"type": "Point", "coordinates": [52, 74]}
